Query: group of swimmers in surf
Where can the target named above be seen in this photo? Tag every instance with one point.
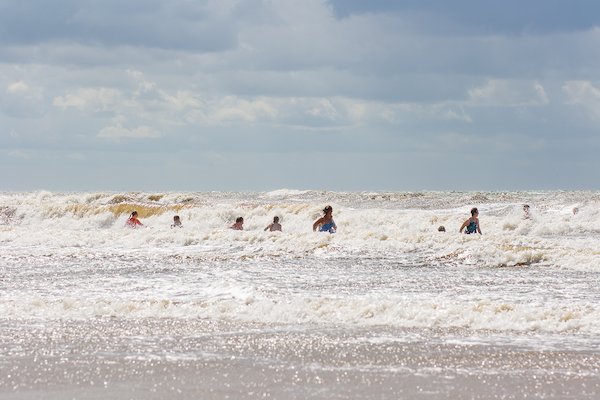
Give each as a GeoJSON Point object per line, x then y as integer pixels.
{"type": "Point", "coordinates": [323, 224]}
{"type": "Point", "coordinates": [327, 224]}
{"type": "Point", "coordinates": [273, 226]}
{"type": "Point", "coordinates": [134, 222]}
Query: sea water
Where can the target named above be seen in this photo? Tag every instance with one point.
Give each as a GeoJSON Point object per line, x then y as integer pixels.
{"type": "Point", "coordinates": [387, 307]}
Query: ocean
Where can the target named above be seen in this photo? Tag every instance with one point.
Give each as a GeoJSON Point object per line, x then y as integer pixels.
{"type": "Point", "coordinates": [388, 307]}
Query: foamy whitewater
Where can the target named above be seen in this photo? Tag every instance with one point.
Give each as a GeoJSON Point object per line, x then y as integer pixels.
{"type": "Point", "coordinates": [299, 314]}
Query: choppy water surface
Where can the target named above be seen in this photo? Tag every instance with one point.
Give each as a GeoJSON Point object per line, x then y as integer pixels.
{"type": "Point", "coordinates": [387, 305]}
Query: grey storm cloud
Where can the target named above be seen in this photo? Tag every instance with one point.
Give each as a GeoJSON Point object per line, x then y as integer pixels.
{"type": "Point", "coordinates": [484, 16]}
{"type": "Point", "coordinates": [152, 23]}
{"type": "Point", "coordinates": [219, 83]}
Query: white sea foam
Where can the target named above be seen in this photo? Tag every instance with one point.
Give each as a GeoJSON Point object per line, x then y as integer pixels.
{"type": "Point", "coordinates": [70, 256]}
{"type": "Point", "coordinates": [432, 313]}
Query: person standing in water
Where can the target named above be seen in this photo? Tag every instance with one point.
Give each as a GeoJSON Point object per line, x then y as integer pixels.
{"type": "Point", "coordinates": [133, 221]}
{"type": "Point", "coordinates": [176, 222]}
{"type": "Point", "coordinates": [275, 226]}
{"type": "Point", "coordinates": [472, 224]}
{"type": "Point", "coordinates": [526, 213]}
{"type": "Point", "coordinates": [239, 224]}
{"type": "Point", "coordinates": [326, 223]}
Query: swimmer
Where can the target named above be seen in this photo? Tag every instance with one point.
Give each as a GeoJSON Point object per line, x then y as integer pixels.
{"type": "Point", "coordinates": [326, 223]}
{"type": "Point", "coordinates": [441, 228]}
{"type": "Point", "coordinates": [176, 222]}
{"type": "Point", "coordinates": [133, 221]}
{"type": "Point", "coordinates": [239, 224]}
{"type": "Point", "coordinates": [472, 224]}
{"type": "Point", "coordinates": [275, 226]}
{"type": "Point", "coordinates": [526, 214]}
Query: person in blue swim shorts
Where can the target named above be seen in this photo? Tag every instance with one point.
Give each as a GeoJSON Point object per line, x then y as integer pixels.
{"type": "Point", "coordinates": [472, 224]}
{"type": "Point", "coordinates": [326, 223]}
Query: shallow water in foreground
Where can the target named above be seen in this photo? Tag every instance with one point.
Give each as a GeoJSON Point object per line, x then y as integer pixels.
{"type": "Point", "coordinates": [164, 358]}
{"type": "Point", "coordinates": [386, 308]}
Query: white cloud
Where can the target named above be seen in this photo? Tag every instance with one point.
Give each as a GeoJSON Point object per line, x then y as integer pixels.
{"type": "Point", "coordinates": [236, 109]}
{"type": "Point", "coordinates": [118, 132]}
{"type": "Point", "coordinates": [228, 109]}
{"type": "Point", "coordinates": [22, 91]}
{"type": "Point", "coordinates": [458, 114]}
{"type": "Point", "coordinates": [22, 100]}
{"type": "Point", "coordinates": [508, 93]}
{"type": "Point", "coordinates": [182, 101]}
{"type": "Point", "coordinates": [324, 109]}
{"type": "Point", "coordinates": [400, 113]}
{"type": "Point", "coordinates": [89, 99]}
{"type": "Point", "coordinates": [583, 93]}
{"type": "Point", "coordinates": [17, 87]}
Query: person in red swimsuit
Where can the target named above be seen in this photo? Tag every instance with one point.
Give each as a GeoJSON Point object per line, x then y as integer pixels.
{"type": "Point", "coordinates": [133, 221]}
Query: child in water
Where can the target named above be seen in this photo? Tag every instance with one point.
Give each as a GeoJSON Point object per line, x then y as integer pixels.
{"type": "Point", "coordinates": [239, 224]}
{"type": "Point", "coordinates": [275, 226]}
{"type": "Point", "coordinates": [472, 224]}
{"type": "Point", "coordinates": [133, 221]}
{"type": "Point", "coordinates": [176, 222]}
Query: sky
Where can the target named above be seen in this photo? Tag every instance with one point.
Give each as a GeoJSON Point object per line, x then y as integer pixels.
{"type": "Point", "coordinates": [258, 95]}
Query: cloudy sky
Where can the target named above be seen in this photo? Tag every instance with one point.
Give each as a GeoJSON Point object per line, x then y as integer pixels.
{"type": "Point", "coordinates": [303, 94]}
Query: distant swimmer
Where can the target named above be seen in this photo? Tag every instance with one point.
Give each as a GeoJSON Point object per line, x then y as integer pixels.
{"type": "Point", "coordinates": [275, 226]}
{"type": "Point", "coordinates": [176, 222]}
{"type": "Point", "coordinates": [239, 224]}
{"type": "Point", "coordinates": [526, 214]}
{"type": "Point", "coordinates": [472, 224]}
{"type": "Point", "coordinates": [326, 223]}
{"type": "Point", "coordinates": [133, 221]}
{"type": "Point", "coordinates": [441, 228]}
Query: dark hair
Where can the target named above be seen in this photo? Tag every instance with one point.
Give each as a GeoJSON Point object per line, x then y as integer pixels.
{"type": "Point", "coordinates": [327, 209]}
{"type": "Point", "coordinates": [275, 219]}
{"type": "Point", "coordinates": [474, 211]}
{"type": "Point", "coordinates": [176, 217]}
{"type": "Point", "coordinates": [133, 213]}
{"type": "Point", "coordinates": [239, 219]}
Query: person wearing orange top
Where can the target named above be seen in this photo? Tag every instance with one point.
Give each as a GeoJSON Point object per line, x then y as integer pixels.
{"type": "Point", "coordinates": [133, 221]}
